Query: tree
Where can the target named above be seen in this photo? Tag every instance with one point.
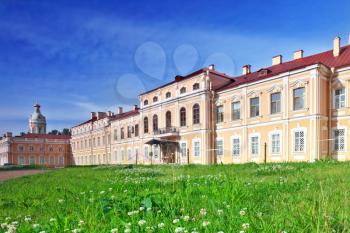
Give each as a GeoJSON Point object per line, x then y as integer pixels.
{"type": "Point", "coordinates": [54, 132]}
{"type": "Point", "coordinates": [66, 131]}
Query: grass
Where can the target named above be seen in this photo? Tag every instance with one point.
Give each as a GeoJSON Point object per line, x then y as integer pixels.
{"type": "Point", "coordinates": [299, 197]}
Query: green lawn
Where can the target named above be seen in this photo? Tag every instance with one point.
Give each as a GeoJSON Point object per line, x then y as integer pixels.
{"type": "Point", "coordinates": [223, 198]}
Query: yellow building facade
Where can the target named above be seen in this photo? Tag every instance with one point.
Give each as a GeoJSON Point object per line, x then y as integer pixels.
{"type": "Point", "coordinates": [291, 111]}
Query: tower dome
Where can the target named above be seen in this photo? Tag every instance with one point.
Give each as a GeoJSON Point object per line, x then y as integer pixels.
{"type": "Point", "coordinates": [37, 121]}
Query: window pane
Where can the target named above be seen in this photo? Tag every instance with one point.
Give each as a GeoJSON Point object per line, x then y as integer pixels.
{"type": "Point", "coordinates": [254, 107]}
{"type": "Point", "coordinates": [236, 110]}
{"type": "Point", "coordinates": [298, 98]}
{"type": "Point", "coordinates": [275, 102]}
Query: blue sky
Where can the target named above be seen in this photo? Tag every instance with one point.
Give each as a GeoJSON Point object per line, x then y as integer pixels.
{"type": "Point", "coordinates": [75, 57]}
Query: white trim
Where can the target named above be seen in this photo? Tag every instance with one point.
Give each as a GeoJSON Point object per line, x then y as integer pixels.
{"type": "Point", "coordinates": [240, 146]}
{"type": "Point", "coordinates": [345, 138]}
{"type": "Point", "coordinates": [299, 154]}
{"type": "Point", "coordinates": [255, 156]}
{"type": "Point", "coordinates": [220, 157]}
{"type": "Point", "coordinates": [274, 154]}
{"type": "Point", "coordinates": [180, 152]}
{"type": "Point", "coordinates": [193, 149]}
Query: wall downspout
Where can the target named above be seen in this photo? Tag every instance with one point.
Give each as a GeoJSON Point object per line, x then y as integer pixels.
{"type": "Point", "coordinates": [330, 112]}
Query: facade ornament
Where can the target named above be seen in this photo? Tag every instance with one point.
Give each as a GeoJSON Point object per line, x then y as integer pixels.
{"type": "Point", "coordinates": [299, 83]}
{"type": "Point", "coordinates": [275, 88]}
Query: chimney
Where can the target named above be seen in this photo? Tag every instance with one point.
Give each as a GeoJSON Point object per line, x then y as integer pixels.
{"type": "Point", "coordinates": [93, 114]}
{"type": "Point", "coordinates": [135, 107]}
{"type": "Point", "coordinates": [276, 60]}
{"type": "Point", "coordinates": [298, 54]}
{"type": "Point", "coordinates": [109, 113]}
{"type": "Point", "coordinates": [120, 110]}
{"type": "Point", "coordinates": [212, 67]}
{"type": "Point", "coordinates": [8, 134]}
{"type": "Point", "coordinates": [101, 115]}
{"type": "Point", "coordinates": [246, 69]}
{"type": "Point", "coordinates": [336, 46]}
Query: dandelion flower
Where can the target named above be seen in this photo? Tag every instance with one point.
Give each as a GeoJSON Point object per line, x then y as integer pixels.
{"type": "Point", "coordinates": [161, 225]}
{"type": "Point", "coordinates": [142, 222]}
{"type": "Point", "coordinates": [245, 226]}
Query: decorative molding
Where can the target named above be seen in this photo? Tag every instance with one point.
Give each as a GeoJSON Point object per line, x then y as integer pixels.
{"type": "Point", "coordinates": [299, 83]}
{"type": "Point", "coordinates": [236, 98]}
{"type": "Point", "coordinates": [253, 94]}
{"type": "Point", "coordinates": [275, 88]}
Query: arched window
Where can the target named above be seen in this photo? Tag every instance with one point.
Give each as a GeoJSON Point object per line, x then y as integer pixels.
{"type": "Point", "coordinates": [168, 119]}
{"type": "Point", "coordinates": [183, 90]}
{"type": "Point", "coordinates": [145, 125]}
{"type": "Point", "coordinates": [196, 86]}
{"type": "Point", "coordinates": [145, 103]}
{"type": "Point", "coordinates": [183, 116]}
{"type": "Point", "coordinates": [155, 123]}
{"type": "Point", "coordinates": [155, 99]}
{"type": "Point", "coordinates": [168, 95]}
{"type": "Point", "coordinates": [196, 117]}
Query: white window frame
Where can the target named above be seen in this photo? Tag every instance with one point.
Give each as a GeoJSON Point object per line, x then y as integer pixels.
{"type": "Point", "coordinates": [193, 148]}
{"type": "Point", "coordinates": [129, 154]}
{"type": "Point", "coordinates": [181, 154]}
{"type": "Point", "coordinates": [345, 99]}
{"type": "Point", "coordinates": [239, 146]}
{"type": "Point", "coordinates": [216, 147]}
{"type": "Point", "coordinates": [293, 140]}
{"type": "Point", "coordinates": [250, 145]}
{"type": "Point", "coordinates": [155, 151]}
{"type": "Point", "coordinates": [42, 159]}
{"type": "Point", "coordinates": [122, 154]}
{"type": "Point", "coordinates": [145, 152]}
{"type": "Point", "coordinates": [31, 161]}
{"type": "Point", "coordinates": [115, 155]}
{"type": "Point", "coordinates": [333, 138]}
{"type": "Point", "coordinates": [271, 145]}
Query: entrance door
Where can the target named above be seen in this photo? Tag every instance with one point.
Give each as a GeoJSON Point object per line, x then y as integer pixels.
{"type": "Point", "coordinates": [169, 153]}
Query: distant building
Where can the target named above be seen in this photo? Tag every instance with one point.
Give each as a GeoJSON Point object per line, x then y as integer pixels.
{"type": "Point", "coordinates": [290, 111]}
{"type": "Point", "coordinates": [35, 147]}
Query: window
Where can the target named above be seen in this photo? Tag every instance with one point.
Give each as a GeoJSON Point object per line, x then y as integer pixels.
{"type": "Point", "coordinates": [168, 95]}
{"type": "Point", "coordinates": [254, 145]}
{"type": "Point", "coordinates": [183, 149]}
{"type": "Point", "coordinates": [94, 141]}
{"type": "Point", "coordinates": [236, 147]}
{"type": "Point", "coordinates": [183, 90]}
{"type": "Point", "coordinates": [254, 107]}
{"type": "Point", "coordinates": [196, 118]}
{"type": "Point", "coordinates": [145, 125]}
{"type": "Point", "coordinates": [276, 102]}
{"type": "Point", "coordinates": [183, 116]}
{"type": "Point", "coordinates": [21, 160]}
{"type": "Point", "coordinates": [168, 119]}
{"type": "Point", "coordinates": [275, 143]}
{"type": "Point", "coordinates": [109, 139]}
{"type": "Point", "coordinates": [155, 151]}
{"type": "Point", "coordinates": [298, 98]}
{"type": "Point", "coordinates": [219, 114]}
{"type": "Point", "coordinates": [98, 141]}
{"type": "Point", "coordinates": [145, 103]}
{"type": "Point", "coordinates": [299, 140]}
{"type": "Point", "coordinates": [155, 99]}
{"type": "Point", "coordinates": [115, 135]}
{"type": "Point", "coordinates": [129, 154]}
{"type": "Point", "coordinates": [219, 147]}
{"type": "Point", "coordinates": [60, 160]}
{"type": "Point", "coordinates": [155, 123]}
{"type": "Point", "coordinates": [236, 110]}
{"type": "Point", "coordinates": [339, 98]}
{"type": "Point", "coordinates": [51, 149]}
{"type": "Point", "coordinates": [196, 148]}
{"type": "Point", "coordinates": [195, 86]}
{"type": "Point", "coordinates": [52, 160]}
{"type": "Point", "coordinates": [20, 148]}
{"type": "Point", "coordinates": [129, 131]}
{"type": "Point", "coordinates": [136, 130]}
{"type": "Point", "coordinates": [42, 160]}
{"type": "Point", "coordinates": [31, 160]}
{"type": "Point", "coordinates": [122, 133]}
{"type": "Point", "coordinates": [115, 155]}
{"type": "Point", "coordinates": [122, 155]}
{"type": "Point", "coordinates": [145, 151]}
{"type": "Point", "coordinates": [31, 148]}
{"type": "Point", "coordinates": [109, 158]}
{"type": "Point", "coordinates": [339, 139]}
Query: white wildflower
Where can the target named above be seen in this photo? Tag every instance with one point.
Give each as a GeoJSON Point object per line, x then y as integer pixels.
{"type": "Point", "coordinates": [161, 225]}
{"type": "Point", "coordinates": [203, 211]}
{"type": "Point", "coordinates": [60, 201]}
{"type": "Point", "coordinates": [242, 212]}
{"type": "Point", "coordinates": [205, 223]}
{"type": "Point", "coordinates": [114, 230]}
{"type": "Point", "coordinates": [245, 226]}
{"type": "Point", "coordinates": [142, 222]}
{"type": "Point", "coordinates": [186, 218]}
{"type": "Point", "coordinates": [176, 220]}
{"type": "Point", "coordinates": [127, 230]}
{"type": "Point", "coordinates": [36, 225]}
{"type": "Point", "coordinates": [179, 229]}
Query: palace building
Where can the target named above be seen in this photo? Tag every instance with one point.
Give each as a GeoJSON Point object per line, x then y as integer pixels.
{"type": "Point", "coordinates": [291, 111]}
{"type": "Point", "coordinates": [35, 147]}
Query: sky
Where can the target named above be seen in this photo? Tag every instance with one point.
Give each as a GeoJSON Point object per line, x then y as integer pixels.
{"type": "Point", "coordinates": [75, 57]}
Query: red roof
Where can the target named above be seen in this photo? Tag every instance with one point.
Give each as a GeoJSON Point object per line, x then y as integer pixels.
{"type": "Point", "coordinates": [123, 115]}
{"type": "Point", "coordinates": [180, 78]}
{"type": "Point", "coordinates": [43, 136]}
{"type": "Point", "coordinates": [86, 122]}
{"type": "Point", "coordinates": [325, 58]}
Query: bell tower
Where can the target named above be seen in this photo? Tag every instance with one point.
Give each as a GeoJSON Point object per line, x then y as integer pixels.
{"type": "Point", "coordinates": [37, 121]}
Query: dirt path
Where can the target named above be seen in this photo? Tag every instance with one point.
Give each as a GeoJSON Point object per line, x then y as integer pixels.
{"type": "Point", "coordinates": [6, 175]}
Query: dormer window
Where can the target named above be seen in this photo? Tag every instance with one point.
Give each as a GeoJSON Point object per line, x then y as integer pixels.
{"type": "Point", "coordinates": [195, 86]}
{"type": "Point", "coordinates": [263, 72]}
{"type": "Point", "coordinates": [183, 90]}
{"type": "Point", "coordinates": [155, 99]}
{"type": "Point", "coordinates": [145, 103]}
{"type": "Point", "coordinates": [168, 95]}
